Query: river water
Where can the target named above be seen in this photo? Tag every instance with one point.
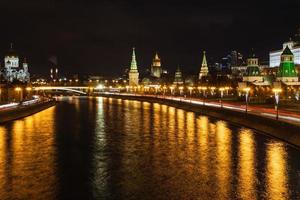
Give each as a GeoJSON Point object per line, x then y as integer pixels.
{"type": "Point", "coordinates": [104, 148]}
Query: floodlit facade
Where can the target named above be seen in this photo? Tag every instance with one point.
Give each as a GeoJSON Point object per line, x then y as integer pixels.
{"type": "Point", "coordinates": [276, 55]}
{"type": "Point", "coordinates": [12, 70]}
{"type": "Point", "coordinates": [133, 72]}
{"type": "Point", "coordinates": [204, 68]}
{"type": "Point", "coordinates": [156, 69]}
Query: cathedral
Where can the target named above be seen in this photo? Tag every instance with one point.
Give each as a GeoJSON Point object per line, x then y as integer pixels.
{"type": "Point", "coordinates": [12, 71]}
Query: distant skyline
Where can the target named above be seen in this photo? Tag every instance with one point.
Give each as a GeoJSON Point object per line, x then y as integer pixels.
{"type": "Point", "coordinates": [89, 36]}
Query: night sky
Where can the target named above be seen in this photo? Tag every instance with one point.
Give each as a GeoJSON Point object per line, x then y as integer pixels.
{"type": "Point", "coordinates": [97, 36]}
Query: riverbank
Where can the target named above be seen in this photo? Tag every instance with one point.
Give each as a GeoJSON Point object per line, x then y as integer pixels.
{"type": "Point", "coordinates": [283, 130]}
{"type": "Point", "coordinates": [24, 111]}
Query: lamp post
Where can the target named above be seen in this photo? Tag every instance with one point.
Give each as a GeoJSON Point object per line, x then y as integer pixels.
{"type": "Point", "coordinates": [276, 95]}
{"type": "Point", "coordinates": [191, 90]}
{"type": "Point", "coordinates": [172, 89]}
{"type": "Point", "coordinates": [180, 90]}
{"type": "Point", "coordinates": [18, 90]}
{"type": "Point", "coordinates": [165, 89]}
{"type": "Point", "coordinates": [204, 94]}
{"type": "Point", "coordinates": [247, 89]}
{"type": "Point", "coordinates": [212, 90]}
{"type": "Point", "coordinates": [222, 93]}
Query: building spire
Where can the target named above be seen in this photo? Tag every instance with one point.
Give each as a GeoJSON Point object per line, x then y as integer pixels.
{"type": "Point", "coordinates": [133, 65]}
{"type": "Point", "coordinates": [204, 68]}
{"type": "Point", "coordinates": [204, 62]}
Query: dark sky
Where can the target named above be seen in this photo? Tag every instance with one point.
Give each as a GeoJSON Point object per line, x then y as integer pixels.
{"type": "Point", "coordinates": [97, 36]}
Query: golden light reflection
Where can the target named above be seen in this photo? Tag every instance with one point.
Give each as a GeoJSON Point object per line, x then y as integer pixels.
{"type": "Point", "coordinates": [27, 157]}
{"type": "Point", "coordinates": [223, 159]}
{"type": "Point", "coordinates": [276, 172]}
{"type": "Point", "coordinates": [202, 124]}
{"type": "Point", "coordinates": [246, 168]}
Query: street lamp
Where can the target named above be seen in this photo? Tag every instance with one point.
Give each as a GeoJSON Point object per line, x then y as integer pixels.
{"type": "Point", "coordinates": [222, 94]}
{"type": "Point", "coordinates": [191, 90]}
{"type": "Point", "coordinates": [276, 95]}
{"type": "Point", "coordinates": [18, 90]}
{"type": "Point", "coordinates": [204, 94]}
{"type": "Point", "coordinates": [212, 90]}
{"type": "Point", "coordinates": [247, 89]}
{"type": "Point", "coordinates": [181, 90]}
{"type": "Point", "coordinates": [172, 89]}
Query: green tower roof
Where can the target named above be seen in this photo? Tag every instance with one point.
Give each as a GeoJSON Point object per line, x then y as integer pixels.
{"type": "Point", "coordinates": [287, 51]}
{"type": "Point", "coordinates": [133, 65]}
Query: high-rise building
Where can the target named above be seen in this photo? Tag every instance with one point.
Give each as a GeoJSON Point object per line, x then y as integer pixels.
{"type": "Point", "coordinates": [12, 71]}
{"type": "Point", "coordinates": [287, 71]}
{"type": "Point", "coordinates": [133, 72]}
{"type": "Point", "coordinates": [204, 68]}
{"type": "Point", "coordinates": [178, 80]}
{"type": "Point", "coordinates": [156, 69]}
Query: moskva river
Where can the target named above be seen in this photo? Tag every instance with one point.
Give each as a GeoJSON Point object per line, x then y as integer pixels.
{"type": "Point", "coordinates": [104, 148]}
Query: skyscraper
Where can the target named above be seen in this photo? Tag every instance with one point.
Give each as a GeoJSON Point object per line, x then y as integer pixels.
{"type": "Point", "coordinates": [133, 72]}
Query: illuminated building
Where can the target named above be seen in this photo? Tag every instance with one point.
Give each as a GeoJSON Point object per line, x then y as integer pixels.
{"type": "Point", "coordinates": [133, 72]}
{"type": "Point", "coordinates": [294, 46]}
{"type": "Point", "coordinates": [178, 80]}
{"type": "Point", "coordinates": [156, 69]}
{"type": "Point", "coordinates": [252, 72]}
{"type": "Point", "coordinates": [287, 72]}
{"type": "Point", "coordinates": [12, 71]}
{"type": "Point", "coordinates": [204, 67]}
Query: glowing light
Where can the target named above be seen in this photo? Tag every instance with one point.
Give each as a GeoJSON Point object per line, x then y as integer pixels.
{"type": "Point", "coordinates": [18, 89]}
{"type": "Point", "coordinates": [28, 88]}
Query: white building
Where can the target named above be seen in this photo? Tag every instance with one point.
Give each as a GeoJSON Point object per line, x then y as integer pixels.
{"type": "Point", "coordinates": [275, 55]}
{"type": "Point", "coordinates": [12, 71]}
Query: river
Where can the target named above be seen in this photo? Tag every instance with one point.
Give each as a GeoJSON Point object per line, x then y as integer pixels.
{"type": "Point", "coordinates": [105, 148]}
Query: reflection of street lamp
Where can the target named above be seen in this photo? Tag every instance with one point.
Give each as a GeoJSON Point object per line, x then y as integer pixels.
{"type": "Point", "coordinates": [276, 93]}
{"type": "Point", "coordinates": [222, 93]}
{"type": "Point", "coordinates": [247, 89]}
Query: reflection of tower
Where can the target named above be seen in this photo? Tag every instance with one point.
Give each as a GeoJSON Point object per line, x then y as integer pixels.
{"type": "Point", "coordinates": [156, 67]}
{"type": "Point", "coordinates": [133, 72]}
{"type": "Point", "coordinates": [178, 77]}
{"type": "Point", "coordinates": [204, 68]}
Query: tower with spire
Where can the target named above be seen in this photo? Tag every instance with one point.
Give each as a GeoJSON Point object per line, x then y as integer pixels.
{"type": "Point", "coordinates": [156, 69]}
{"type": "Point", "coordinates": [287, 71]}
{"type": "Point", "coordinates": [204, 68]}
{"type": "Point", "coordinates": [12, 70]}
{"type": "Point", "coordinates": [178, 80]}
{"type": "Point", "coordinates": [252, 72]}
{"type": "Point", "coordinates": [133, 72]}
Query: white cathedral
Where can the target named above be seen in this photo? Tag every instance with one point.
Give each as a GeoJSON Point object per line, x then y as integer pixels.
{"type": "Point", "coordinates": [12, 71]}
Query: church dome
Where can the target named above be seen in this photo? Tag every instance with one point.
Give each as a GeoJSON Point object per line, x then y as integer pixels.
{"type": "Point", "coordinates": [11, 52]}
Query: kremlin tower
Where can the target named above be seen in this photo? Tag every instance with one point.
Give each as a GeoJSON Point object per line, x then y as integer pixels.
{"type": "Point", "coordinates": [133, 72]}
{"type": "Point", "coordinates": [204, 67]}
{"type": "Point", "coordinates": [156, 70]}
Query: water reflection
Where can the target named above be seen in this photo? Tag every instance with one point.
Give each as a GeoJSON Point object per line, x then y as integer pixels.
{"type": "Point", "coordinates": [246, 169]}
{"type": "Point", "coordinates": [277, 186]}
{"type": "Point", "coordinates": [104, 148]}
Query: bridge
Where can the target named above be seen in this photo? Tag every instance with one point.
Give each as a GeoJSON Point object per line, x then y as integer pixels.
{"type": "Point", "coordinates": [75, 89]}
